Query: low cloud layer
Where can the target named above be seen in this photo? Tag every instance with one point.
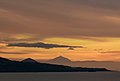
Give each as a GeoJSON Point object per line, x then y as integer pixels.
{"type": "Point", "coordinates": [111, 52]}
{"type": "Point", "coordinates": [1, 52]}
{"type": "Point", "coordinates": [43, 45]}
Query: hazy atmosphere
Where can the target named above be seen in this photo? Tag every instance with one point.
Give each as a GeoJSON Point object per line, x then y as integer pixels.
{"type": "Point", "coordinates": [92, 25]}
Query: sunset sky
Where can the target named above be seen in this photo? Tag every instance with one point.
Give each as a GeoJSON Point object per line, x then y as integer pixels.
{"type": "Point", "coordinates": [93, 24]}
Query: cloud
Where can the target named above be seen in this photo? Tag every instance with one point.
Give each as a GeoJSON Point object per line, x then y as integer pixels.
{"type": "Point", "coordinates": [43, 45]}
{"type": "Point", "coordinates": [111, 52]}
{"type": "Point", "coordinates": [60, 18]}
{"type": "Point", "coordinates": [1, 52]}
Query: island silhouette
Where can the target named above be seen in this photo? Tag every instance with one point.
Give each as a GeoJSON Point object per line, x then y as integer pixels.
{"type": "Point", "coordinates": [31, 65]}
{"type": "Point", "coordinates": [61, 60]}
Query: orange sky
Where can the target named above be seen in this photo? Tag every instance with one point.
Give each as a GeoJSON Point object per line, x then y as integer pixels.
{"type": "Point", "coordinates": [93, 24]}
{"type": "Point", "coordinates": [94, 49]}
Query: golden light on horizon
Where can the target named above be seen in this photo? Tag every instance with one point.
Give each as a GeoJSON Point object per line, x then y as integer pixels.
{"type": "Point", "coordinates": [94, 49]}
{"type": "Point", "coordinates": [95, 26]}
{"type": "Point", "coordinates": [21, 36]}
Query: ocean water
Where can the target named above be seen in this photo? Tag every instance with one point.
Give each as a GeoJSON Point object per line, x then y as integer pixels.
{"type": "Point", "coordinates": [98, 76]}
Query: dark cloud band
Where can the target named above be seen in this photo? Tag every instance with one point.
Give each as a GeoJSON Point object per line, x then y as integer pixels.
{"type": "Point", "coordinates": [43, 45]}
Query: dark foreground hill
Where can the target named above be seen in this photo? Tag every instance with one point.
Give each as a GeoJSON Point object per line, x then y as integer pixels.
{"type": "Point", "coordinates": [7, 65]}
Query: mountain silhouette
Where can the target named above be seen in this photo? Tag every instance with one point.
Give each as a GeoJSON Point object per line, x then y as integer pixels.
{"type": "Point", "coordinates": [30, 65]}
{"type": "Point", "coordinates": [29, 60]}
{"type": "Point", "coordinates": [90, 64]}
{"type": "Point", "coordinates": [60, 59]}
{"type": "Point", "coordinates": [4, 60]}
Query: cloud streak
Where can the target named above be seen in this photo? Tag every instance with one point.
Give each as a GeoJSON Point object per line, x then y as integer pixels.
{"type": "Point", "coordinates": [43, 45]}
{"type": "Point", "coordinates": [111, 52]}
{"type": "Point", "coordinates": [1, 52]}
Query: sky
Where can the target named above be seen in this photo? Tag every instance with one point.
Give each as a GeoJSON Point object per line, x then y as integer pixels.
{"type": "Point", "coordinates": [93, 24]}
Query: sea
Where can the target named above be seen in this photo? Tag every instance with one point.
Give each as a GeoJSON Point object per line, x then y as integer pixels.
{"type": "Point", "coordinates": [61, 76]}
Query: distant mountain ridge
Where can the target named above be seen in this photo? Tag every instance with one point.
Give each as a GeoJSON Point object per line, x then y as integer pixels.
{"type": "Point", "coordinates": [30, 65]}
{"type": "Point", "coordinates": [60, 59]}
{"type": "Point", "coordinates": [91, 64]}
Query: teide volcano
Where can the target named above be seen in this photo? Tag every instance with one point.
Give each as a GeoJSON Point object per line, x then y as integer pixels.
{"type": "Point", "coordinates": [59, 59]}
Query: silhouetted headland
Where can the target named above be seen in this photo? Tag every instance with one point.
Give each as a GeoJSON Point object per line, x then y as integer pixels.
{"type": "Point", "coordinates": [30, 65]}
